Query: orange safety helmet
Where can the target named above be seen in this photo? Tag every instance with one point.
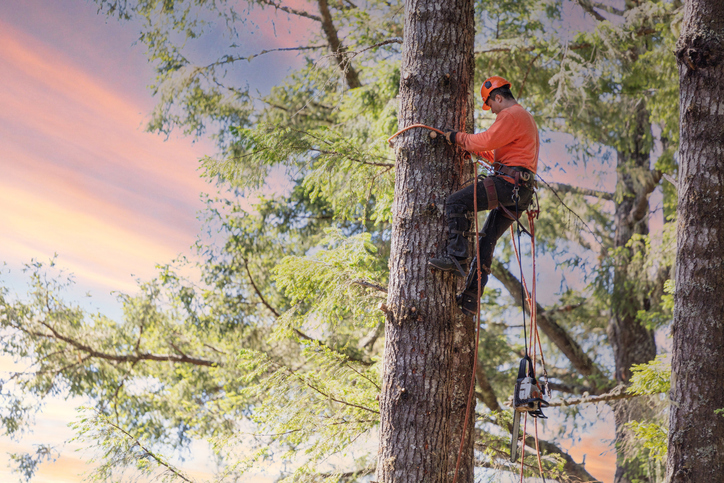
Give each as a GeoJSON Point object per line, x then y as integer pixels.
{"type": "Point", "coordinates": [490, 85]}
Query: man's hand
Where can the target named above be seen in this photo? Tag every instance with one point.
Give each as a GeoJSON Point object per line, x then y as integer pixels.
{"type": "Point", "coordinates": [450, 137]}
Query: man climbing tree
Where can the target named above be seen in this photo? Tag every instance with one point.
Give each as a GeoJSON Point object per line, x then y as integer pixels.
{"type": "Point", "coordinates": [511, 145]}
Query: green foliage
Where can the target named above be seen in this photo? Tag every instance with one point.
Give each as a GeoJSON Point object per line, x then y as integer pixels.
{"type": "Point", "coordinates": [651, 378]}
{"type": "Point", "coordinates": [653, 437]}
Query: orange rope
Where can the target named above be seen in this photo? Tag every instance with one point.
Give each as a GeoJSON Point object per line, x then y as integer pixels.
{"type": "Point", "coordinates": [535, 342]}
{"type": "Point", "coordinates": [477, 331]}
{"type": "Point", "coordinates": [410, 127]}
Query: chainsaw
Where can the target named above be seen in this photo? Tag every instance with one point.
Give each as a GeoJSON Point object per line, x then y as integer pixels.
{"type": "Point", "coordinates": [527, 398]}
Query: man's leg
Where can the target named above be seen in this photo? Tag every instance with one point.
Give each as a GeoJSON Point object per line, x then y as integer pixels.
{"type": "Point", "coordinates": [497, 223]}
{"type": "Point", "coordinates": [495, 226]}
{"type": "Point", "coordinates": [457, 207]}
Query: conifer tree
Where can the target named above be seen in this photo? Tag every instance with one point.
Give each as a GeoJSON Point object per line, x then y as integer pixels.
{"type": "Point", "coordinates": [696, 429]}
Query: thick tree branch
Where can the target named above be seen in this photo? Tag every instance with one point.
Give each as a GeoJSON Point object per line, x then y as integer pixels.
{"type": "Point", "coordinates": [619, 392]}
{"type": "Point", "coordinates": [486, 394]}
{"type": "Point", "coordinates": [124, 358]}
{"type": "Point", "coordinates": [335, 45]}
{"type": "Point", "coordinates": [640, 207]}
{"type": "Point", "coordinates": [587, 6]}
{"type": "Point", "coordinates": [607, 8]}
{"type": "Point", "coordinates": [571, 469]}
{"type": "Point", "coordinates": [365, 283]}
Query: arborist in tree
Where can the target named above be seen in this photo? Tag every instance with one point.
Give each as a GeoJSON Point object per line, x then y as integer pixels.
{"type": "Point", "coordinates": [511, 145]}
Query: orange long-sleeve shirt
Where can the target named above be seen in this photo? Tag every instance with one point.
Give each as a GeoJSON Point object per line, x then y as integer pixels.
{"type": "Point", "coordinates": [512, 140]}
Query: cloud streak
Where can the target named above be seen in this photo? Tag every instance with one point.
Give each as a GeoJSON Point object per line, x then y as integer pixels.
{"type": "Point", "coordinates": [81, 177]}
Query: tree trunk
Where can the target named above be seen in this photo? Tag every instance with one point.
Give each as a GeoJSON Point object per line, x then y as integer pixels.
{"type": "Point", "coordinates": [631, 342]}
{"type": "Point", "coordinates": [428, 354]}
{"type": "Point", "coordinates": [696, 432]}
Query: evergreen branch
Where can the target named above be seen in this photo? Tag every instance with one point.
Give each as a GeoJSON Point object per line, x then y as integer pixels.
{"type": "Point", "coordinates": [581, 46]}
{"type": "Point", "coordinates": [116, 357]}
{"type": "Point", "coordinates": [293, 11]}
{"type": "Point", "coordinates": [337, 153]}
{"type": "Point", "coordinates": [323, 344]}
{"type": "Point", "coordinates": [354, 53]}
{"type": "Point", "coordinates": [525, 78]}
{"type": "Point", "coordinates": [328, 396]}
{"type": "Point", "coordinates": [256, 289]}
{"type": "Point", "coordinates": [566, 188]}
{"type": "Point", "coordinates": [230, 59]}
{"type": "Point", "coordinates": [146, 451]}
{"type": "Point", "coordinates": [365, 283]}
{"type": "Point", "coordinates": [341, 155]}
{"type": "Point", "coordinates": [364, 376]}
{"type": "Point", "coordinates": [619, 392]}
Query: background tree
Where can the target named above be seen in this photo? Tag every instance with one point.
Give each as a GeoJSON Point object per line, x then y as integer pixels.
{"type": "Point", "coordinates": [696, 430]}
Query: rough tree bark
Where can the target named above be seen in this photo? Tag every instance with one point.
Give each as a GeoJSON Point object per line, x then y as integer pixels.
{"type": "Point", "coordinates": [696, 432]}
{"type": "Point", "coordinates": [428, 342]}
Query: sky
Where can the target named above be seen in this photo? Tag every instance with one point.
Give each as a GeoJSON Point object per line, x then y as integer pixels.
{"type": "Point", "coordinates": [82, 180]}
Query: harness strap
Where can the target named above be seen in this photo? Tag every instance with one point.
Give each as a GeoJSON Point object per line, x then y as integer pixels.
{"type": "Point", "coordinates": [519, 172]}
{"type": "Point", "coordinates": [458, 266]}
{"type": "Point", "coordinates": [463, 233]}
{"type": "Point", "coordinates": [489, 186]}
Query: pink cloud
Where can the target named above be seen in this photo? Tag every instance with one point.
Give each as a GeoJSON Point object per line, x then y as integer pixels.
{"type": "Point", "coordinates": [80, 177]}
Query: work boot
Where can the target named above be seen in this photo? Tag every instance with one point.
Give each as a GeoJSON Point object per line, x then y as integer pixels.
{"type": "Point", "coordinates": [448, 264]}
{"type": "Point", "coordinates": [468, 302]}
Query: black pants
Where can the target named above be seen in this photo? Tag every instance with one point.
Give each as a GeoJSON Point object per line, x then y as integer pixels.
{"type": "Point", "coordinates": [461, 203]}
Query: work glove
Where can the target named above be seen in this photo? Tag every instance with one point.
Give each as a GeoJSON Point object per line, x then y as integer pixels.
{"type": "Point", "coordinates": [450, 137]}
